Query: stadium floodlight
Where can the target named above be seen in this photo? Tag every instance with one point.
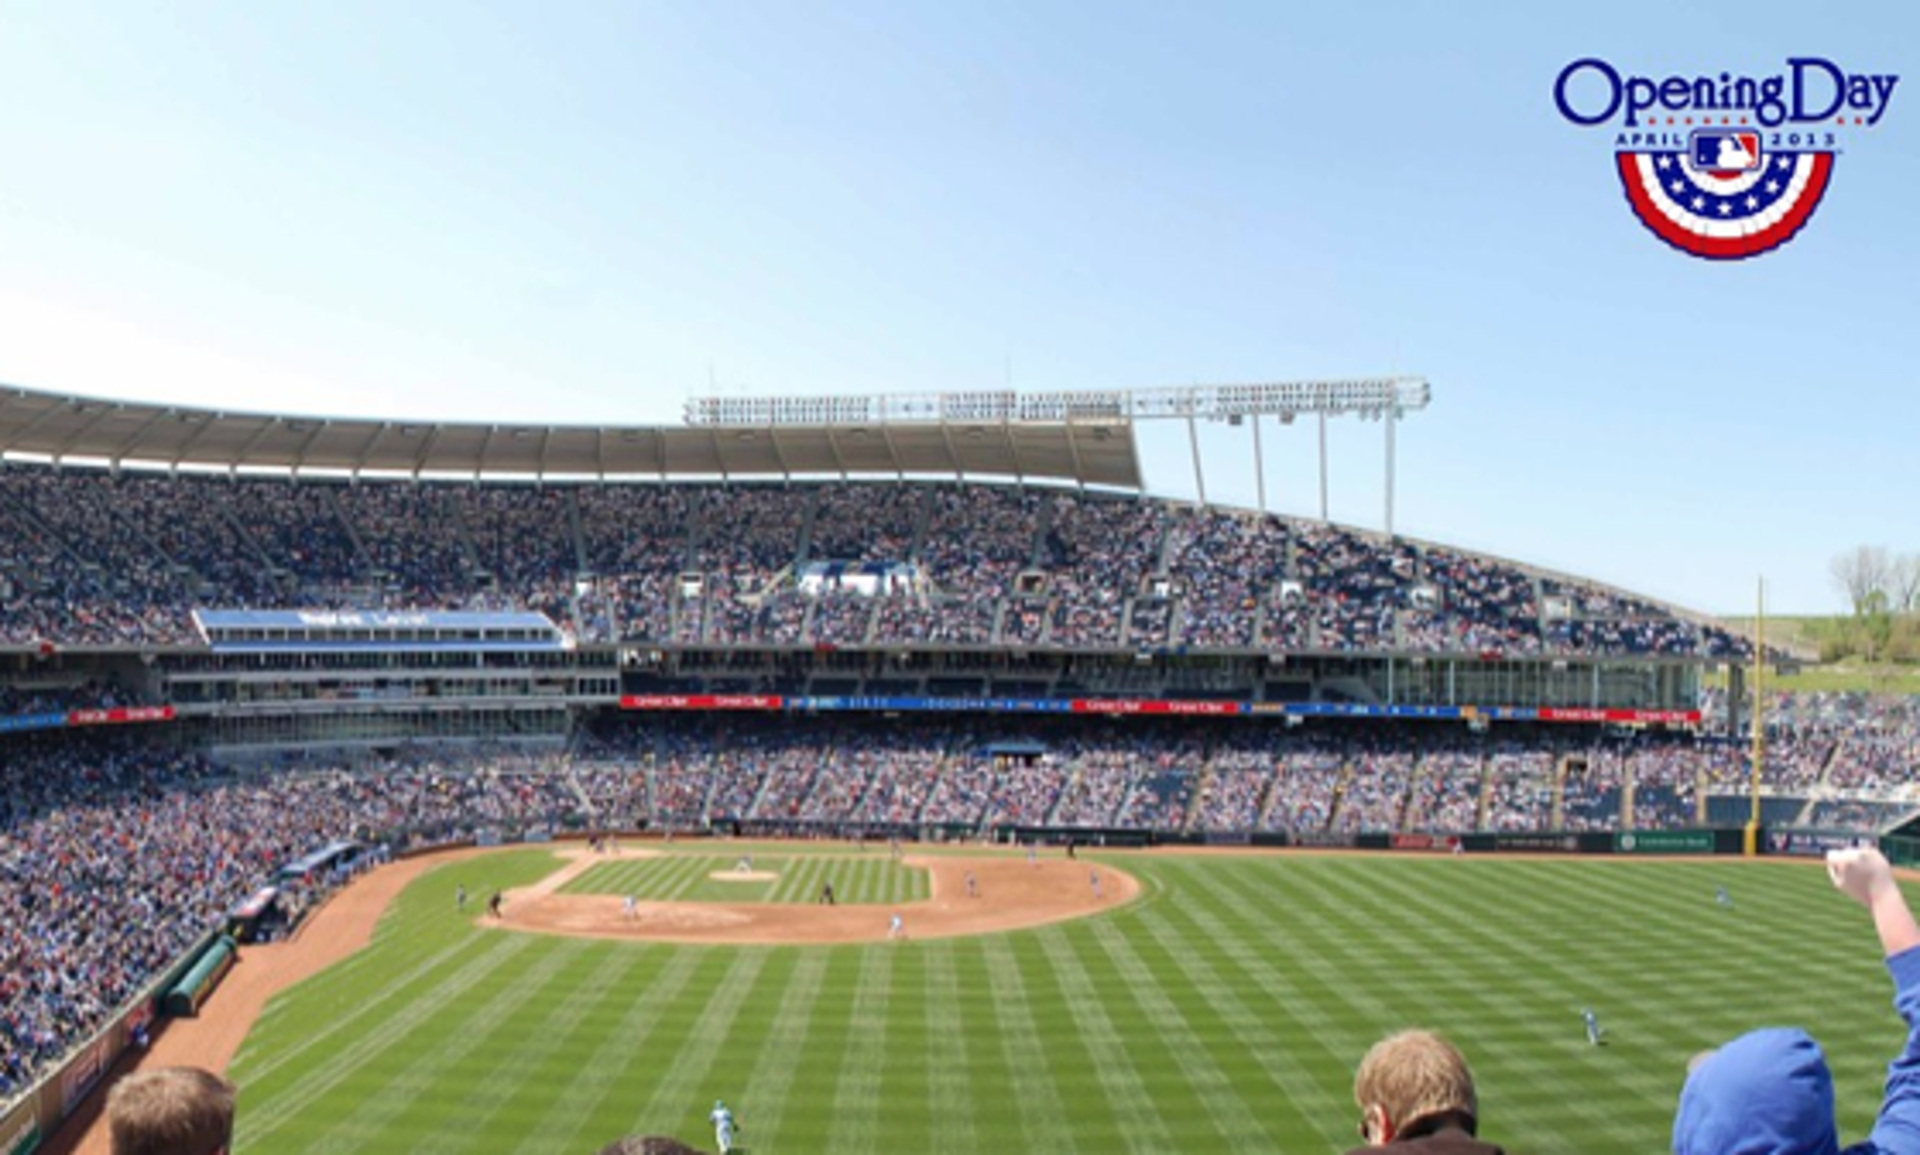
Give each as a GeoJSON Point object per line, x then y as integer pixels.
{"type": "Point", "coordinates": [1376, 396]}
{"type": "Point", "coordinates": [1383, 399]}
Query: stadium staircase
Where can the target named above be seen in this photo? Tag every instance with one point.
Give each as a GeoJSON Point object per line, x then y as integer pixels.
{"type": "Point", "coordinates": [1556, 811]}
{"type": "Point", "coordinates": [766, 783]}
{"type": "Point", "coordinates": [456, 512]}
{"type": "Point", "coordinates": [1066, 794]}
{"type": "Point", "coordinates": [922, 517]}
{"type": "Point", "coordinates": [280, 575]}
{"type": "Point", "coordinates": [1403, 814]}
{"type": "Point", "coordinates": [1484, 808]}
{"type": "Point", "coordinates": [362, 558]}
{"type": "Point", "coordinates": [1339, 800]}
{"type": "Point", "coordinates": [1820, 785]}
{"type": "Point", "coordinates": [23, 511]}
{"type": "Point", "coordinates": [577, 535]}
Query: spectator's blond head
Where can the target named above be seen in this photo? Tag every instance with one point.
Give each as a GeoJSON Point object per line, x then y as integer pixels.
{"type": "Point", "coordinates": [1413, 1076]}
{"type": "Point", "coordinates": [170, 1111]}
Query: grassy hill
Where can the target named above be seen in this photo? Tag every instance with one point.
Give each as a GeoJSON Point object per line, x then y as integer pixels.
{"type": "Point", "coordinates": [1817, 634]}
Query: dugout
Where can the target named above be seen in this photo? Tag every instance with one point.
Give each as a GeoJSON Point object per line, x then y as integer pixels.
{"type": "Point", "coordinates": [320, 863]}
{"type": "Point", "coordinates": [259, 919]}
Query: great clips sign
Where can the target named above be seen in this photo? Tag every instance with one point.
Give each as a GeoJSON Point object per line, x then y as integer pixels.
{"type": "Point", "coordinates": [1723, 165]}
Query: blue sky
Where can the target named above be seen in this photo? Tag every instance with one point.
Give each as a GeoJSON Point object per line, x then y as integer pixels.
{"type": "Point", "coordinates": [586, 212]}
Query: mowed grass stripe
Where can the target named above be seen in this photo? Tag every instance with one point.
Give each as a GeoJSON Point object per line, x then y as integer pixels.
{"type": "Point", "coordinates": [1129, 1102]}
{"type": "Point", "coordinates": [855, 1123]}
{"type": "Point", "coordinates": [538, 1037]}
{"type": "Point", "coordinates": [576, 1117]}
{"type": "Point", "coordinates": [1179, 949]}
{"type": "Point", "coordinates": [352, 1062]}
{"type": "Point", "coordinates": [408, 1100]}
{"type": "Point", "coordinates": [376, 1020]}
{"type": "Point", "coordinates": [949, 1090]}
{"type": "Point", "coordinates": [1233, 1119]}
{"type": "Point", "coordinates": [682, 1089]}
{"type": "Point", "coordinates": [769, 1088]}
{"type": "Point", "coordinates": [1038, 1101]}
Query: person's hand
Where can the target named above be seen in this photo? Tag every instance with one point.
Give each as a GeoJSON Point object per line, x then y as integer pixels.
{"type": "Point", "coordinates": [1862, 873]}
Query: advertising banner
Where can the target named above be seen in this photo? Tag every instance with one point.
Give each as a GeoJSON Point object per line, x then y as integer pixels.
{"type": "Point", "coordinates": [1537, 842]}
{"type": "Point", "coordinates": [82, 1074]}
{"type": "Point", "coordinates": [1664, 842]}
{"type": "Point", "coordinates": [1812, 843]}
{"type": "Point", "coordinates": [701, 702]}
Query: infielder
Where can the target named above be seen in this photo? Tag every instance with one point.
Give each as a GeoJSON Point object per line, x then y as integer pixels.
{"type": "Point", "coordinates": [723, 1126]}
{"type": "Point", "coordinates": [897, 928]}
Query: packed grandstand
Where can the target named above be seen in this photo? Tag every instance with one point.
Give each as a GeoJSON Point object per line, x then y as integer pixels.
{"type": "Point", "coordinates": [298, 662]}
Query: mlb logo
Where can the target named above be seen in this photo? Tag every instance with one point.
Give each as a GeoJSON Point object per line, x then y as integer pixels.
{"type": "Point", "coordinates": [1723, 152]}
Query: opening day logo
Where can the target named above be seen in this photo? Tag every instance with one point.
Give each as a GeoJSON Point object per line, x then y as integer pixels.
{"type": "Point", "coordinates": [1725, 166]}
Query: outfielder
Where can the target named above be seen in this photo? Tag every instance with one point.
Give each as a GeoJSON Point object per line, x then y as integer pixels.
{"type": "Point", "coordinates": [723, 1126]}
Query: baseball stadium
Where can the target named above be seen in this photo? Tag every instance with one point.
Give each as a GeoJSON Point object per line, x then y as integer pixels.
{"type": "Point", "coordinates": [896, 770]}
{"type": "Point", "coordinates": [699, 577]}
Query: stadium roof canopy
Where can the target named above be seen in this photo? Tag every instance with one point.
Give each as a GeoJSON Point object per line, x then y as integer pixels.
{"type": "Point", "coordinates": [1072, 447]}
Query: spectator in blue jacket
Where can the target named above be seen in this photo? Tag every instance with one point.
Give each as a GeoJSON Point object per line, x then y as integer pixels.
{"type": "Point", "coordinates": [1769, 1092]}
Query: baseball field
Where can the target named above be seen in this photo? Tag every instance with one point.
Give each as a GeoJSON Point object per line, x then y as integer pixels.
{"type": "Point", "coordinates": [1219, 1008]}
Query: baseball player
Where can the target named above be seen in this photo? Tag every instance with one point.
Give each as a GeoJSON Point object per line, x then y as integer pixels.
{"type": "Point", "coordinates": [1592, 1022]}
{"type": "Point", "coordinates": [973, 885]}
{"type": "Point", "coordinates": [897, 928]}
{"type": "Point", "coordinates": [1093, 879]}
{"type": "Point", "coordinates": [630, 907]}
{"type": "Point", "coordinates": [1721, 896]}
{"type": "Point", "coordinates": [826, 893]}
{"type": "Point", "coordinates": [723, 1126]}
{"type": "Point", "coordinates": [460, 899]}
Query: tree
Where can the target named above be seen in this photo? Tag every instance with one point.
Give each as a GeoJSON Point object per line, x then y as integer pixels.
{"type": "Point", "coordinates": [1860, 573]}
{"type": "Point", "coordinates": [1903, 583]}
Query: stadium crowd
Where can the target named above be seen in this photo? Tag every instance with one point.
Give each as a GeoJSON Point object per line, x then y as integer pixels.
{"type": "Point", "coordinates": [98, 558]}
{"type": "Point", "coordinates": [118, 853]}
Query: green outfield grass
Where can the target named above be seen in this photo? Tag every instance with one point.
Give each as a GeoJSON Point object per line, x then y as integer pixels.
{"type": "Point", "coordinates": [1223, 1012]}
{"type": "Point", "coordinates": [874, 878]}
